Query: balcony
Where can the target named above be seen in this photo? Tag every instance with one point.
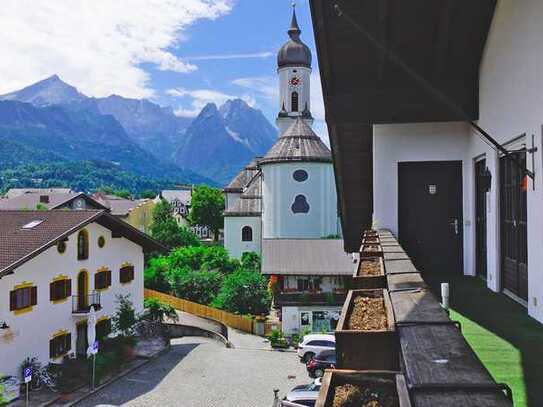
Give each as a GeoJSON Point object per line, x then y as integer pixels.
{"type": "Point", "coordinates": [81, 305]}
{"type": "Point", "coordinates": [310, 298]}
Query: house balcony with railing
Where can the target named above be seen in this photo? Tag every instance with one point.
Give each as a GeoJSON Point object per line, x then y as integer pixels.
{"type": "Point", "coordinates": [81, 304]}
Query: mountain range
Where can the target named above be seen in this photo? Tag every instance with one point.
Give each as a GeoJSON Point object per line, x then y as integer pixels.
{"type": "Point", "coordinates": [51, 122]}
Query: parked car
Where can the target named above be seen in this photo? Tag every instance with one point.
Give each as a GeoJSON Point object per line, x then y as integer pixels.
{"type": "Point", "coordinates": [315, 343]}
{"type": "Point", "coordinates": [299, 401]}
{"type": "Point", "coordinates": [325, 359]}
{"type": "Point", "coordinates": [306, 391]}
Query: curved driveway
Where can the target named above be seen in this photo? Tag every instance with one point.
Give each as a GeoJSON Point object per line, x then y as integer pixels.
{"type": "Point", "coordinates": [200, 372]}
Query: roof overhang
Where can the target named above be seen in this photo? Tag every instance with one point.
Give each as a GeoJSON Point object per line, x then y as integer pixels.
{"type": "Point", "coordinates": [442, 41]}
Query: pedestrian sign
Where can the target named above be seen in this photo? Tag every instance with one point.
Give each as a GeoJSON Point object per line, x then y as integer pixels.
{"type": "Point", "coordinates": [27, 373]}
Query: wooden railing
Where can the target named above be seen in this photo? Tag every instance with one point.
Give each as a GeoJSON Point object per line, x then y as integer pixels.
{"type": "Point", "coordinates": [231, 320]}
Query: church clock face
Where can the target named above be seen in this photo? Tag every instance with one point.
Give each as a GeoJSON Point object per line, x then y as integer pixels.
{"type": "Point", "coordinates": [295, 81]}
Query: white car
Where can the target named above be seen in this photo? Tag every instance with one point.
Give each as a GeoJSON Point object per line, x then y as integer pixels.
{"type": "Point", "coordinates": [303, 395]}
{"type": "Point", "coordinates": [315, 343]}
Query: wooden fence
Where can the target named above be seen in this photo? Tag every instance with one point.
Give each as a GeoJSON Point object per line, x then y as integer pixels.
{"type": "Point", "coordinates": [231, 320]}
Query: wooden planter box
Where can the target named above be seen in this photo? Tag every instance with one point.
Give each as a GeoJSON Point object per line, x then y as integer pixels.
{"type": "Point", "coordinates": [362, 281]}
{"type": "Point", "coordinates": [376, 381]}
{"type": "Point", "coordinates": [367, 350]}
{"type": "Point", "coordinates": [371, 240]}
{"type": "Point", "coordinates": [371, 250]}
{"type": "Point", "coordinates": [369, 233]}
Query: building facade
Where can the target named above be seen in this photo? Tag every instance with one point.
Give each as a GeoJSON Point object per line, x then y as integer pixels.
{"type": "Point", "coordinates": [43, 309]}
{"type": "Point", "coordinates": [286, 201]}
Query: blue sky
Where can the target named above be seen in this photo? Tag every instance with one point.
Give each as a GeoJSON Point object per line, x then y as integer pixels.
{"type": "Point", "coordinates": [181, 53]}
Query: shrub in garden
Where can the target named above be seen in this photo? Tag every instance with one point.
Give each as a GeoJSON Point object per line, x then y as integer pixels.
{"type": "Point", "coordinates": [156, 275]}
{"type": "Point", "coordinates": [198, 286]}
{"type": "Point", "coordinates": [124, 318]}
{"type": "Point", "coordinates": [244, 292]}
{"type": "Point", "coordinates": [156, 311]}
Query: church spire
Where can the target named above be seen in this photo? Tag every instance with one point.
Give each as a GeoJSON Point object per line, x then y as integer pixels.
{"type": "Point", "coordinates": [294, 30]}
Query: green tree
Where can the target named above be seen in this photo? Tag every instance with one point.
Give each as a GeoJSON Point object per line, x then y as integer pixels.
{"type": "Point", "coordinates": [124, 318]}
{"type": "Point", "coordinates": [123, 193]}
{"type": "Point", "coordinates": [156, 274]}
{"type": "Point", "coordinates": [166, 230]}
{"type": "Point", "coordinates": [148, 194]}
{"type": "Point", "coordinates": [207, 206]}
{"type": "Point", "coordinates": [155, 310]}
{"type": "Point", "coordinates": [244, 292]}
{"type": "Point", "coordinates": [250, 261]}
{"type": "Point", "coordinates": [198, 286]}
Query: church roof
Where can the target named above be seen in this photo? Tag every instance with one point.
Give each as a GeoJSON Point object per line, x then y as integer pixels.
{"type": "Point", "coordinates": [243, 178]}
{"type": "Point", "coordinates": [250, 201]}
{"type": "Point", "coordinates": [294, 52]}
{"type": "Point", "coordinates": [298, 143]}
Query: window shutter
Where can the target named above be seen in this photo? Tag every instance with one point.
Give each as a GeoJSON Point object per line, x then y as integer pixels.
{"type": "Point", "coordinates": [52, 348]}
{"type": "Point", "coordinates": [34, 296]}
{"type": "Point", "coordinates": [97, 281]}
{"type": "Point", "coordinates": [108, 278]}
{"type": "Point", "coordinates": [122, 275]}
{"type": "Point", "coordinates": [68, 342]}
{"type": "Point", "coordinates": [52, 292]}
{"type": "Point", "coordinates": [13, 300]}
{"type": "Point", "coordinates": [68, 288]}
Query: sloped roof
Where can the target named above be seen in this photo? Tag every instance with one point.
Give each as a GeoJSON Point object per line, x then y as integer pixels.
{"type": "Point", "coordinates": [324, 257]}
{"type": "Point", "coordinates": [31, 200]}
{"type": "Point", "coordinates": [243, 178]}
{"type": "Point", "coordinates": [18, 245]}
{"type": "Point", "coordinates": [13, 192]}
{"type": "Point", "coordinates": [250, 201]}
{"type": "Point", "coordinates": [118, 206]}
{"type": "Point", "coordinates": [298, 143]}
{"type": "Point", "coordinates": [183, 195]}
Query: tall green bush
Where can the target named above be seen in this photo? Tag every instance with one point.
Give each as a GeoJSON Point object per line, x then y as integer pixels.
{"type": "Point", "coordinates": [244, 292]}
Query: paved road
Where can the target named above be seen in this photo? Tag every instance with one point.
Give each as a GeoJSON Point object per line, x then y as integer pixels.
{"type": "Point", "coordinates": [200, 372]}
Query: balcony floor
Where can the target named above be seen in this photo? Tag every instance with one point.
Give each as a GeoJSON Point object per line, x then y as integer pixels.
{"type": "Point", "coordinates": [504, 337]}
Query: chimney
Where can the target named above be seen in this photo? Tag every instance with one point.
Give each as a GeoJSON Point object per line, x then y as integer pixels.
{"type": "Point", "coordinates": [44, 199]}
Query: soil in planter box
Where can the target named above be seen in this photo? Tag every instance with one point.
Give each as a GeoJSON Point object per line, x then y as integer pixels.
{"type": "Point", "coordinates": [373, 248]}
{"type": "Point", "coordinates": [369, 314]}
{"type": "Point", "coordinates": [370, 268]}
{"type": "Point", "coordinates": [350, 395]}
{"type": "Point", "coordinates": [371, 240]}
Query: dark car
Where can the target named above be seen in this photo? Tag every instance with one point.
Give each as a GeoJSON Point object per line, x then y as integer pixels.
{"type": "Point", "coordinates": [325, 359]}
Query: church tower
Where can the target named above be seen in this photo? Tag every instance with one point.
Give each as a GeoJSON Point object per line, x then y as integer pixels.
{"type": "Point", "coordinates": [294, 70]}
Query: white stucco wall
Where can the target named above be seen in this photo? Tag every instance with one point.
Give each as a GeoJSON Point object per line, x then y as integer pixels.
{"type": "Point", "coordinates": [279, 190]}
{"type": "Point", "coordinates": [511, 104]}
{"type": "Point", "coordinates": [33, 330]}
{"type": "Point", "coordinates": [416, 142]}
{"type": "Point", "coordinates": [230, 199]}
{"type": "Point", "coordinates": [286, 89]}
{"type": "Point", "coordinates": [290, 323]}
{"type": "Point", "coordinates": [232, 235]}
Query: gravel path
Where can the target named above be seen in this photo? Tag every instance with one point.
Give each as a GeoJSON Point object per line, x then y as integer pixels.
{"type": "Point", "coordinates": [200, 372]}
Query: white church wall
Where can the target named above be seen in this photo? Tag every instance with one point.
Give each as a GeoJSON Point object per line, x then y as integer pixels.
{"type": "Point", "coordinates": [285, 91]}
{"type": "Point", "coordinates": [230, 199]}
{"type": "Point", "coordinates": [280, 191]}
{"type": "Point", "coordinates": [233, 226]}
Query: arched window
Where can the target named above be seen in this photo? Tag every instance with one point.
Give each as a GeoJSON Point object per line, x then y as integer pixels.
{"type": "Point", "coordinates": [294, 101]}
{"type": "Point", "coordinates": [83, 245]}
{"type": "Point", "coordinates": [247, 234]}
{"type": "Point", "coordinates": [300, 204]}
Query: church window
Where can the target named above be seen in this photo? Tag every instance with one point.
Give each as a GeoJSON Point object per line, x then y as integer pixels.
{"type": "Point", "coordinates": [300, 204]}
{"type": "Point", "coordinates": [294, 101]}
{"type": "Point", "coordinates": [247, 234]}
{"type": "Point", "coordinates": [300, 175]}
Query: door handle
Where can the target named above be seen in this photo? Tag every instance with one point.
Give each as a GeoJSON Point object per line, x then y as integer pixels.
{"type": "Point", "coordinates": [454, 223]}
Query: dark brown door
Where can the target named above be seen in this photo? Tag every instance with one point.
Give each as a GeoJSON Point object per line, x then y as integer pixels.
{"type": "Point", "coordinates": [514, 233]}
{"type": "Point", "coordinates": [82, 289]}
{"type": "Point", "coordinates": [480, 220]}
{"type": "Point", "coordinates": [430, 214]}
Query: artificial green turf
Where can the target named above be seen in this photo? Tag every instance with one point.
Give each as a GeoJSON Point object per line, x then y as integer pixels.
{"type": "Point", "coordinates": [504, 337]}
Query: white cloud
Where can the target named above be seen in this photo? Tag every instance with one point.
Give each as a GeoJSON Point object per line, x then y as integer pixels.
{"type": "Point", "coordinates": [96, 45]}
{"type": "Point", "coordinates": [258, 55]}
{"type": "Point", "coordinates": [198, 98]}
{"type": "Point", "coordinates": [263, 86]}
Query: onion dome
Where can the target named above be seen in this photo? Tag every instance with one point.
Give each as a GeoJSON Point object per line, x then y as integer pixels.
{"type": "Point", "coordinates": [294, 52]}
{"type": "Point", "coordinates": [298, 143]}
